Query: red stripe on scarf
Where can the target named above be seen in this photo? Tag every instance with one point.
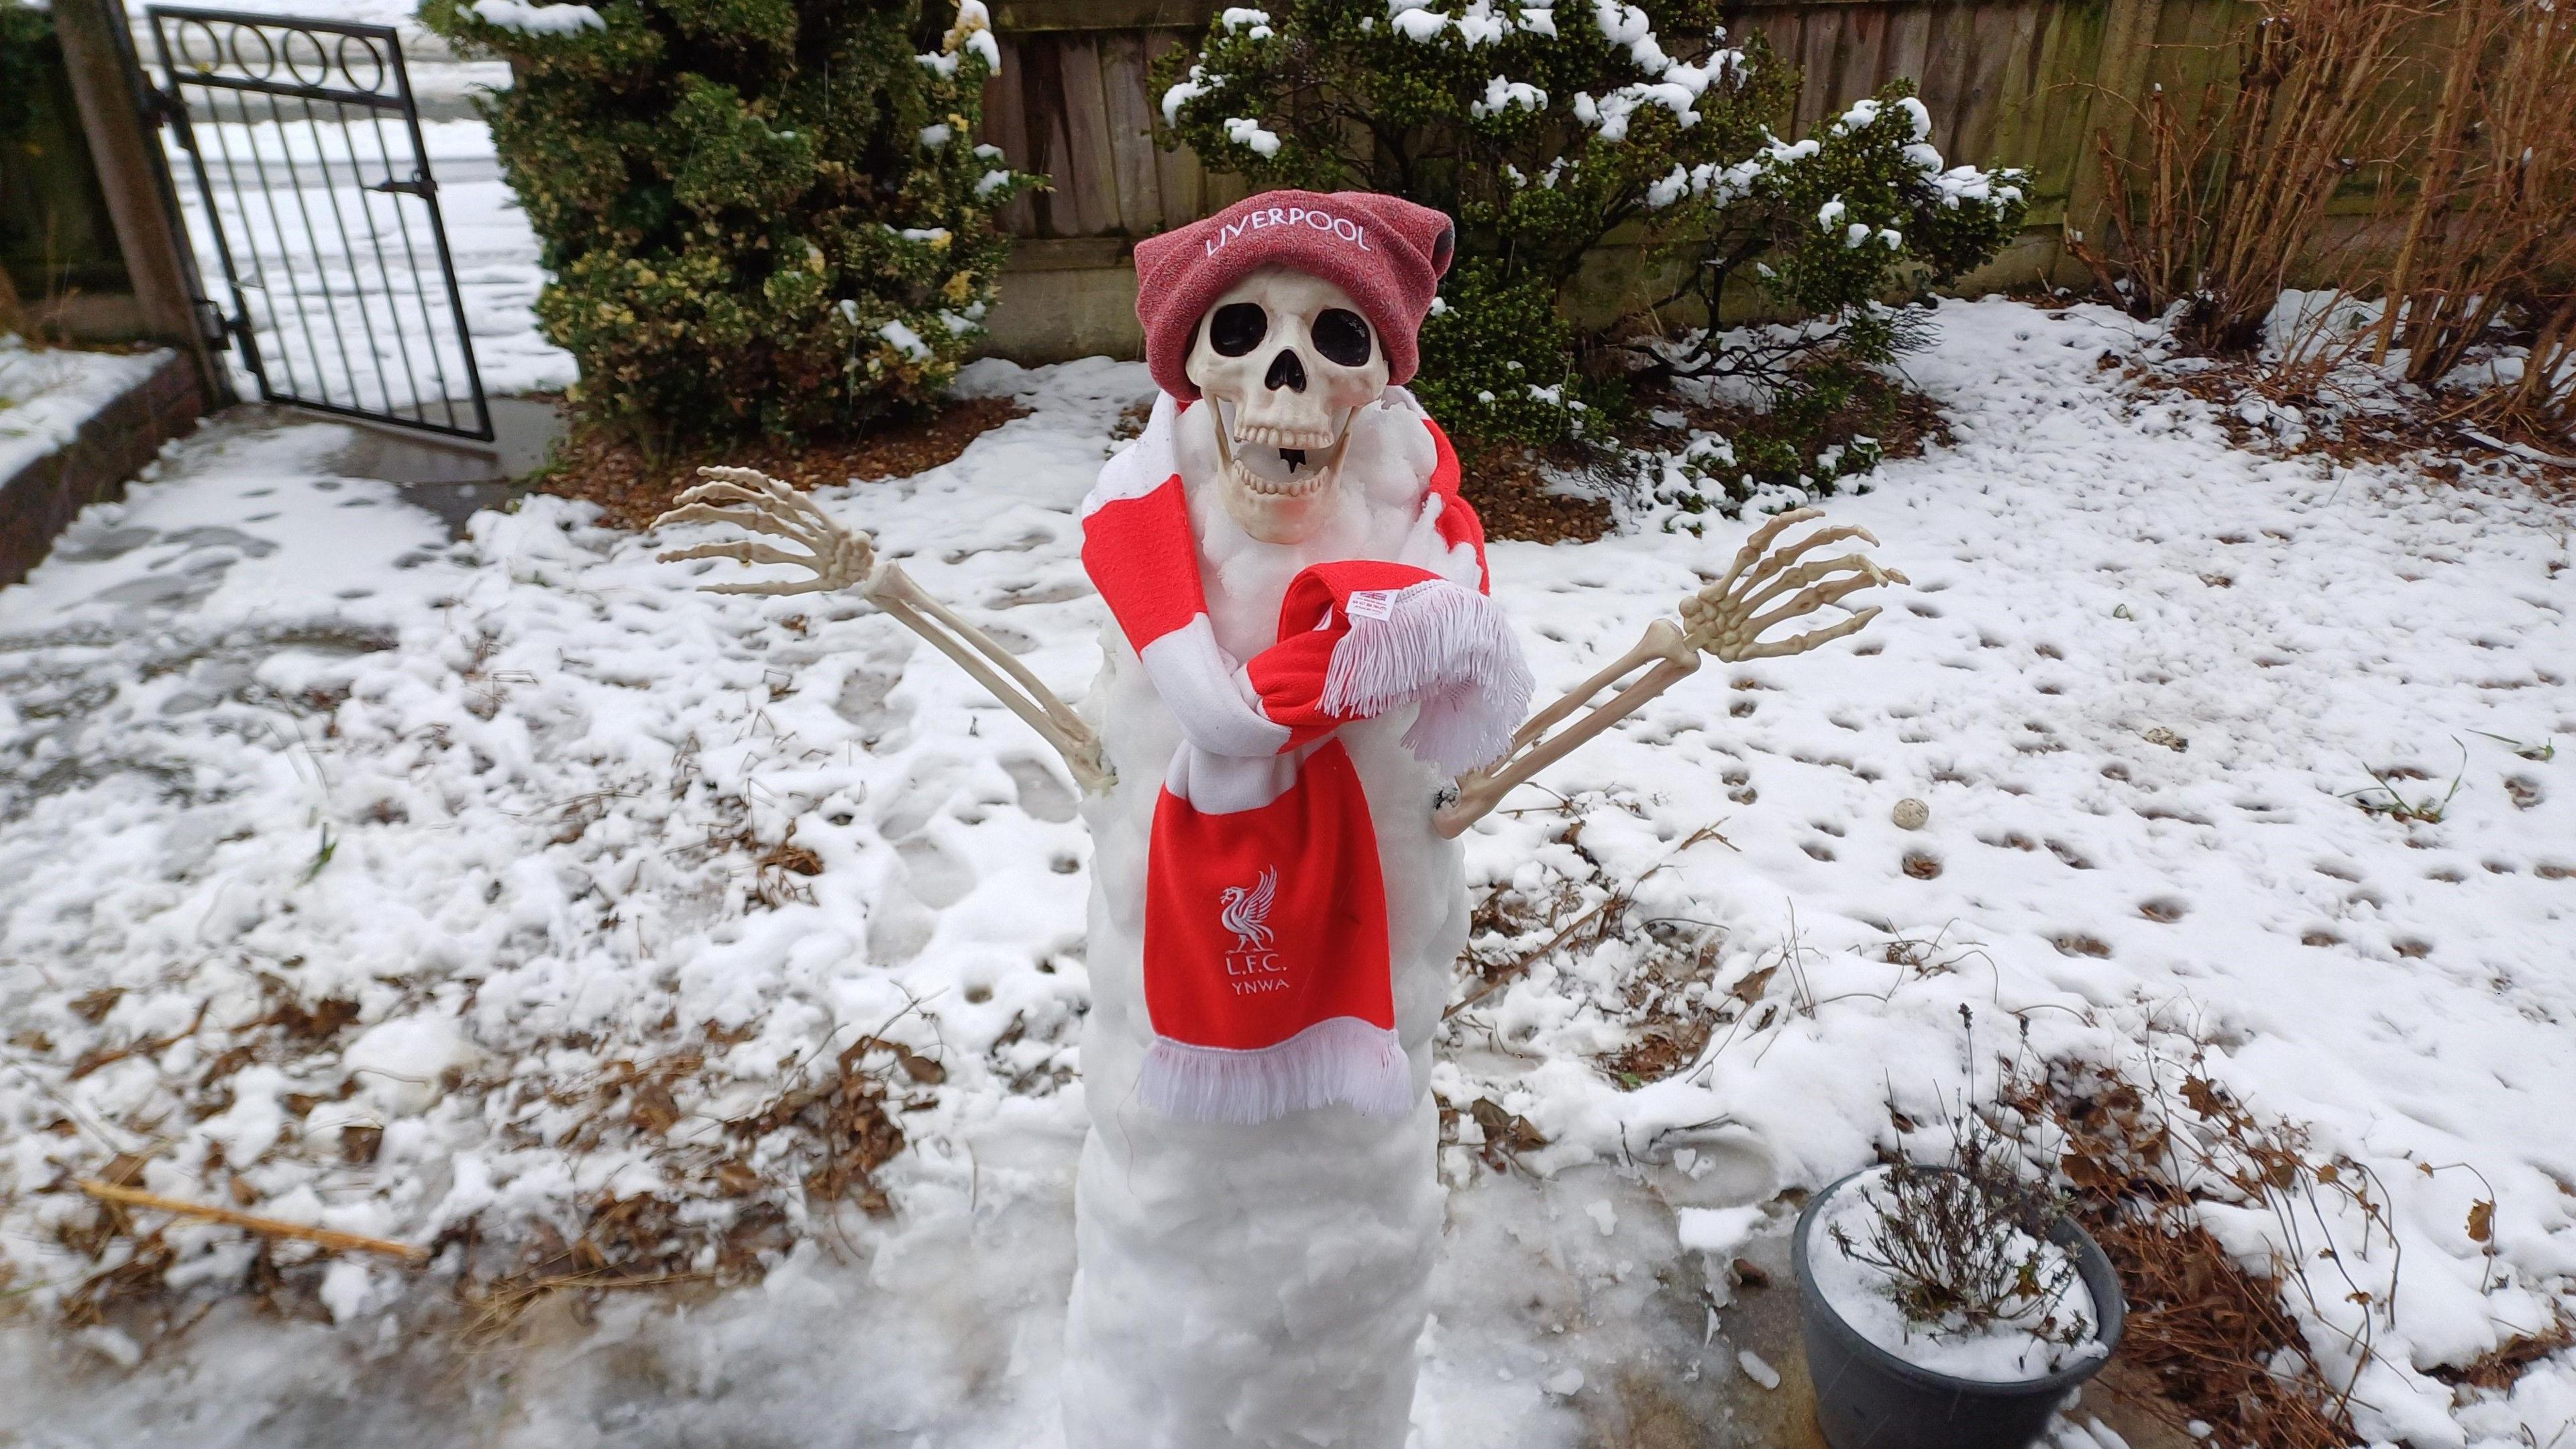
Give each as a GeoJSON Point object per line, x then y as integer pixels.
{"type": "Point", "coordinates": [1289, 675]}
{"type": "Point", "coordinates": [1266, 960]}
{"type": "Point", "coordinates": [1457, 522]}
{"type": "Point", "coordinates": [1143, 560]}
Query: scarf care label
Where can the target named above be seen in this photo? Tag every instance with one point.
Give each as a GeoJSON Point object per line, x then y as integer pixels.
{"type": "Point", "coordinates": [1372, 604]}
{"type": "Point", "coordinates": [1262, 923]}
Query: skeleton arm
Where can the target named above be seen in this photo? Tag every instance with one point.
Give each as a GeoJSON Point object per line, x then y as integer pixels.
{"type": "Point", "coordinates": [1728, 618]}
{"type": "Point", "coordinates": [840, 559]}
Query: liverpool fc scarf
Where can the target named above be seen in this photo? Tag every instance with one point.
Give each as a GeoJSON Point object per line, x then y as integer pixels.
{"type": "Point", "coordinates": [1267, 964]}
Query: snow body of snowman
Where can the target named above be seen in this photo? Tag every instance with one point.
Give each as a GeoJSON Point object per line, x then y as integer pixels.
{"type": "Point", "coordinates": [1306, 697]}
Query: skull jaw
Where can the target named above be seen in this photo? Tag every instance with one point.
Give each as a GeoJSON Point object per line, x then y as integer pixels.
{"type": "Point", "coordinates": [1278, 495]}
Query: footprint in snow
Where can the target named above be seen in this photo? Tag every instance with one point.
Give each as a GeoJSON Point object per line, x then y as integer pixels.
{"type": "Point", "coordinates": [936, 874]}
{"type": "Point", "coordinates": [1042, 795]}
{"type": "Point", "coordinates": [908, 809]}
{"type": "Point", "coordinates": [866, 693]}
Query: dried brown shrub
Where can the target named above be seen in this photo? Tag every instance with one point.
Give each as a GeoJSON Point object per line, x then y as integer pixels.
{"type": "Point", "coordinates": [841, 1133]}
{"type": "Point", "coordinates": [2491, 233]}
{"type": "Point", "coordinates": [633, 484]}
{"type": "Point", "coordinates": [2223, 195]}
{"type": "Point", "coordinates": [2217, 1340]}
{"type": "Point", "coordinates": [2503, 1366]}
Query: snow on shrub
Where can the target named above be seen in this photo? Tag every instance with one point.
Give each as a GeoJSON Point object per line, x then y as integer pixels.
{"type": "Point", "coordinates": [1541, 131]}
{"type": "Point", "coordinates": [1548, 131]}
{"type": "Point", "coordinates": [760, 214]}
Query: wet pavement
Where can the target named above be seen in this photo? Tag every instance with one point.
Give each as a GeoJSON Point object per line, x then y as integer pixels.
{"type": "Point", "coordinates": [452, 477]}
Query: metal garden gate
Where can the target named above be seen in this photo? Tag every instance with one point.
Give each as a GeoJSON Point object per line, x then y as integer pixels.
{"type": "Point", "coordinates": [326, 227]}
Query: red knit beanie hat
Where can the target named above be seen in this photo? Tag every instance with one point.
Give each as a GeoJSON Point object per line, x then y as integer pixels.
{"type": "Point", "coordinates": [1386, 252]}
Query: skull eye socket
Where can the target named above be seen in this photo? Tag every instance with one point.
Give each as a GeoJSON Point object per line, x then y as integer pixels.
{"type": "Point", "coordinates": [1343, 337]}
{"type": "Point", "coordinates": [1237, 328]}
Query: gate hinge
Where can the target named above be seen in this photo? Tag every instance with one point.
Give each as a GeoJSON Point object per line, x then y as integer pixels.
{"type": "Point", "coordinates": [212, 328]}
{"type": "Point", "coordinates": [162, 108]}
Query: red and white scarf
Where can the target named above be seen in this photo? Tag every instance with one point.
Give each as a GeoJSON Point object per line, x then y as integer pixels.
{"type": "Point", "coordinates": [1267, 964]}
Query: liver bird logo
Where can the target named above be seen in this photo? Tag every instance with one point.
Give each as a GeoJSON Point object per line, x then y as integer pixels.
{"type": "Point", "coordinates": [1245, 910]}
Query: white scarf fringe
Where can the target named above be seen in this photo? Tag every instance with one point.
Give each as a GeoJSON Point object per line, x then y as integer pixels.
{"type": "Point", "coordinates": [1447, 648]}
{"type": "Point", "coordinates": [1340, 1059]}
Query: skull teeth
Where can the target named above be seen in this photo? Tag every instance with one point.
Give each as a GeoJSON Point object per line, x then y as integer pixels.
{"type": "Point", "coordinates": [1273, 435]}
{"type": "Point", "coordinates": [1306, 482]}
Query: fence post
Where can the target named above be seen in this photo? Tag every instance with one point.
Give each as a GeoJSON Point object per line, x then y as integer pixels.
{"type": "Point", "coordinates": [109, 89]}
{"type": "Point", "coordinates": [2119, 84]}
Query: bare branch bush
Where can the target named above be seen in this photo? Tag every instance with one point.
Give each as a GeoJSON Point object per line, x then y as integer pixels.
{"type": "Point", "coordinates": [2451, 118]}
{"type": "Point", "coordinates": [2220, 202]}
{"type": "Point", "coordinates": [1961, 1240]}
{"type": "Point", "coordinates": [2490, 239]}
{"type": "Point", "coordinates": [2143, 1152]}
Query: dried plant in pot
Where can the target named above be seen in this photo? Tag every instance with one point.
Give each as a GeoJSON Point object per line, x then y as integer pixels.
{"type": "Point", "coordinates": [1949, 1305]}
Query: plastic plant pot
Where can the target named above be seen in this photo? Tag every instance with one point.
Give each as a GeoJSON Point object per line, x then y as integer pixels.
{"type": "Point", "coordinates": [1868, 1398]}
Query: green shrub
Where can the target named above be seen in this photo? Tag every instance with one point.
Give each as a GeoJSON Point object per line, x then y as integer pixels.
{"type": "Point", "coordinates": [1822, 232]}
{"type": "Point", "coordinates": [1545, 136]}
{"type": "Point", "coordinates": [760, 214]}
{"type": "Point", "coordinates": [26, 57]}
{"type": "Point", "coordinates": [1498, 361]}
{"type": "Point", "coordinates": [1827, 229]}
{"type": "Point", "coordinates": [1540, 139]}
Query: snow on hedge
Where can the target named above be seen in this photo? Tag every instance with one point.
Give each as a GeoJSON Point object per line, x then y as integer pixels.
{"type": "Point", "coordinates": [529, 19]}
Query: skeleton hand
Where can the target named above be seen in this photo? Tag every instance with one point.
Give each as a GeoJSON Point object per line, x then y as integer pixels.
{"type": "Point", "coordinates": [838, 557]}
{"type": "Point", "coordinates": [1726, 618]}
{"type": "Point", "coordinates": [842, 558]}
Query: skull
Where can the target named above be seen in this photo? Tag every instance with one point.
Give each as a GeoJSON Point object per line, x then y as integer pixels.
{"type": "Point", "coordinates": [1287, 358]}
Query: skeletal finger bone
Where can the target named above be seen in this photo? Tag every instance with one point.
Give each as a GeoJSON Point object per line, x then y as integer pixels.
{"type": "Point", "coordinates": [1778, 560]}
{"type": "Point", "coordinates": [742, 518]}
{"type": "Point", "coordinates": [724, 492]}
{"type": "Point", "coordinates": [795, 511]}
{"type": "Point", "coordinates": [1760, 540]}
{"type": "Point", "coordinates": [1747, 634]}
{"type": "Point", "coordinates": [739, 552]}
{"type": "Point", "coordinates": [752, 513]}
{"type": "Point", "coordinates": [754, 480]}
{"type": "Point", "coordinates": [1806, 575]}
{"type": "Point", "coordinates": [780, 589]}
{"type": "Point", "coordinates": [757, 503]}
{"type": "Point", "coordinates": [840, 558]}
{"type": "Point", "coordinates": [1800, 644]}
{"type": "Point", "coordinates": [1722, 619]}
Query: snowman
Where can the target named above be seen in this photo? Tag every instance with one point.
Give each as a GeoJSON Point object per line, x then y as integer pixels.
{"type": "Point", "coordinates": [1308, 693]}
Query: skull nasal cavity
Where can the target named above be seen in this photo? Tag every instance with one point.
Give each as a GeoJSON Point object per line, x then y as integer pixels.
{"type": "Point", "coordinates": [1286, 371]}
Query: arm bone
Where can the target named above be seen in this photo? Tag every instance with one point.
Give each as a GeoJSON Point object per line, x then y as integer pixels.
{"type": "Point", "coordinates": [977, 652]}
{"type": "Point", "coordinates": [840, 558]}
{"type": "Point", "coordinates": [1663, 646]}
{"type": "Point", "coordinates": [1726, 619]}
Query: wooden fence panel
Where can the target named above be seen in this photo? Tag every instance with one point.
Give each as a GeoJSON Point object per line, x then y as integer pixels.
{"type": "Point", "coordinates": [1006, 125]}
{"type": "Point", "coordinates": [1131, 132]}
{"type": "Point", "coordinates": [1909, 39]}
{"type": "Point", "coordinates": [1097, 205]}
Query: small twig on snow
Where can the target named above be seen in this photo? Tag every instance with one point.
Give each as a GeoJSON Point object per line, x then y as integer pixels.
{"type": "Point", "coordinates": [271, 1227]}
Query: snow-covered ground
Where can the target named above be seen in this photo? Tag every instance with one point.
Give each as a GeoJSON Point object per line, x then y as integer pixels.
{"type": "Point", "coordinates": [271, 742]}
{"type": "Point", "coordinates": [47, 393]}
